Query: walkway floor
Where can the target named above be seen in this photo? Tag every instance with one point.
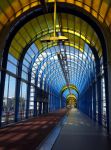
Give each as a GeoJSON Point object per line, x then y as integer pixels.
{"type": "Point", "coordinates": [81, 133]}
{"type": "Point", "coordinates": [29, 134]}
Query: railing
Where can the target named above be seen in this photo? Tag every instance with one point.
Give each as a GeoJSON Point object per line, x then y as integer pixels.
{"type": "Point", "coordinates": [8, 117]}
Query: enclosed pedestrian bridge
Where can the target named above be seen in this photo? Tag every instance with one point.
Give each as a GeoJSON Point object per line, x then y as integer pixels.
{"type": "Point", "coordinates": [55, 74]}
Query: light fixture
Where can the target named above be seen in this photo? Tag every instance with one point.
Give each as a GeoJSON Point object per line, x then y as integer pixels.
{"type": "Point", "coordinates": [54, 37]}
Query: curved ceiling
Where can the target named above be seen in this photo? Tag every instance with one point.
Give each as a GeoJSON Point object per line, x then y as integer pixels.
{"type": "Point", "coordinates": [11, 9]}
{"type": "Point", "coordinates": [70, 86]}
{"type": "Point", "coordinates": [52, 71]}
{"type": "Point", "coordinates": [77, 68]}
{"type": "Point", "coordinates": [74, 28]}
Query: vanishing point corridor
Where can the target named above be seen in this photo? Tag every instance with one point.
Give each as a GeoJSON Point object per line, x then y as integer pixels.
{"type": "Point", "coordinates": [55, 74]}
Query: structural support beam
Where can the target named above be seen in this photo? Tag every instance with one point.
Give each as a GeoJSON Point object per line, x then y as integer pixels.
{"type": "Point", "coordinates": [17, 92]}
{"type": "Point", "coordinates": [94, 100]}
{"type": "Point", "coordinates": [61, 61]}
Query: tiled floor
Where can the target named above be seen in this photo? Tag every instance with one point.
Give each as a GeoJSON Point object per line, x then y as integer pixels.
{"type": "Point", "coordinates": [81, 133]}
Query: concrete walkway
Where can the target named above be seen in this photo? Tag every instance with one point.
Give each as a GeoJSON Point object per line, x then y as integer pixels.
{"type": "Point", "coordinates": [81, 133]}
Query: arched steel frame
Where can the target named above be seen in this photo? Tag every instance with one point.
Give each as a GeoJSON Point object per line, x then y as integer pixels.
{"type": "Point", "coordinates": [62, 7]}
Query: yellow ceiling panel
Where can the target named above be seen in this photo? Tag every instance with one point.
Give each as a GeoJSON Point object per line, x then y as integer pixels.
{"type": "Point", "coordinates": [38, 44]}
{"type": "Point", "coordinates": [30, 30]}
{"type": "Point", "coordinates": [10, 9]}
{"type": "Point", "coordinates": [18, 13]}
{"type": "Point", "coordinates": [4, 4]}
{"type": "Point", "coordinates": [70, 21]}
{"type": "Point", "coordinates": [87, 8]}
{"type": "Point", "coordinates": [88, 2]}
{"type": "Point", "coordinates": [94, 13]}
{"type": "Point", "coordinates": [103, 9]}
{"type": "Point", "coordinates": [15, 5]}
{"type": "Point", "coordinates": [35, 24]}
{"type": "Point", "coordinates": [73, 45]}
{"type": "Point", "coordinates": [77, 24]}
{"type": "Point", "coordinates": [3, 18]}
{"type": "Point", "coordinates": [1, 26]}
{"type": "Point", "coordinates": [25, 2]}
{"type": "Point", "coordinates": [98, 45]}
{"type": "Point", "coordinates": [49, 18]}
{"type": "Point", "coordinates": [89, 33]}
{"type": "Point", "coordinates": [96, 4]}
{"type": "Point", "coordinates": [79, 3]}
{"type": "Point", "coordinates": [16, 46]}
{"type": "Point", "coordinates": [26, 8]}
{"type": "Point", "coordinates": [70, 37]}
{"type": "Point", "coordinates": [76, 40]}
{"type": "Point", "coordinates": [70, 1]}
{"type": "Point", "coordinates": [64, 20]}
{"type": "Point", "coordinates": [100, 19]}
{"type": "Point", "coordinates": [25, 35]}
{"type": "Point", "coordinates": [84, 28]}
{"type": "Point", "coordinates": [20, 39]}
{"type": "Point", "coordinates": [13, 52]}
{"type": "Point", "coordinates": [43, 24]}
{"type": "Point", "coordinates": [94, 39]}
{"type": "Point", "coordinates": [33, 4]}
{"type": "Point", "coordinates": [59, 0]}
{"type": "Point", "coordinates": [108, 18]}
{"type": "Point", "coordinates": [82, 43]}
